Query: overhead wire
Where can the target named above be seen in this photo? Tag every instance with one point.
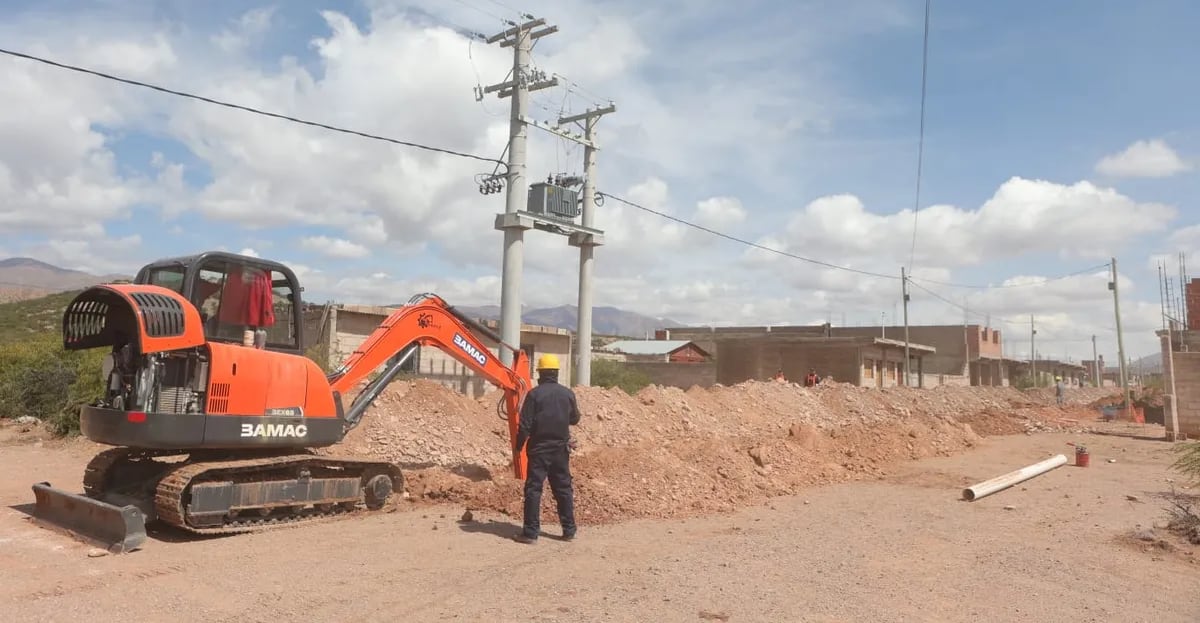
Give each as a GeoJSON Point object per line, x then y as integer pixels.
{"type": "Point", "coordinates": [1014, 323]}
{"type": "Point", "coordinates": [1011, 285]}
{"type": "Point", "coordinates": [818, 262]}
{"type": "Point", "coordinates": [500, 163]}
{"type": "Point", "coordinates": [249, 109]}
{"type": "Point", "coordinates": [744, 241]}
{"type": "Point", "coordinates": [921, 138]}
{"type": "Point", "coordinates": [494, 16]}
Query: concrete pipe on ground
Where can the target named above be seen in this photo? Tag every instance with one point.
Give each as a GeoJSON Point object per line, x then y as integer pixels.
{"type": "Point", "coordinates": [999, 483]}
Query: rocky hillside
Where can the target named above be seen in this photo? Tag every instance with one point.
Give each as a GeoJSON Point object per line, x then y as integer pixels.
{"type": "Point", "coordinates": [23, 278]}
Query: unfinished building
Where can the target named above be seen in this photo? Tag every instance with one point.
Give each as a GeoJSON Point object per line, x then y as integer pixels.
{"type": "Point", "coordinates": [964, 354]}
{"type": "Point", "coordinates": [1179, 345]}
{"type": "Point", "coordinates": [744, 353]}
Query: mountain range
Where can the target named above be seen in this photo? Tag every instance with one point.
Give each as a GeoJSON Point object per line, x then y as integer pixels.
{"type": "Point", "coordinates": [605, 320]}
{"type": "Point", "coordinates": [23, 278]}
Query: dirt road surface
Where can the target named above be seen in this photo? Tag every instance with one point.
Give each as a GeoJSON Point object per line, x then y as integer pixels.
{"type": "Point", "coordinates": [904, 548]}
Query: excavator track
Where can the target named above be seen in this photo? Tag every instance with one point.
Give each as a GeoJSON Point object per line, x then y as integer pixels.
{"type": "Point", "coordinates": [96, 476]}
{"type": "Point", "coordinates": [244, 495]}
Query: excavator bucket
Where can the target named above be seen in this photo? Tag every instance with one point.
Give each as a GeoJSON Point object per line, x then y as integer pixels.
{"type": "Point", "coordinates": [118, 529]}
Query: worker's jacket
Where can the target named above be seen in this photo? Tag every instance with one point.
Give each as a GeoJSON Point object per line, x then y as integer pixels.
{"type": "Point", "coordinates": [549, 411]}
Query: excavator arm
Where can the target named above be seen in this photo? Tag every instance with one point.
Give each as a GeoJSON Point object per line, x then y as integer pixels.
{"type": "Point", "coordinates": [427, 320]}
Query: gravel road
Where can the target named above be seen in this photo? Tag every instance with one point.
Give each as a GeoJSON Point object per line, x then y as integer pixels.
{"type": "Point", "coordinates": [904, 548]}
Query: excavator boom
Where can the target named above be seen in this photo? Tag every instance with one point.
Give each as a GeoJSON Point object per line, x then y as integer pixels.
{"type": "Point", "coordinates": [427, 320]}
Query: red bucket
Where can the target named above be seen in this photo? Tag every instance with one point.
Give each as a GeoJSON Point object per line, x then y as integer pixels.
{"type": "Point", "coordinates": [1082, 458]}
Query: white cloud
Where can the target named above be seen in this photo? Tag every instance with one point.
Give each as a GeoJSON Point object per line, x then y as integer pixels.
{"type": "Point", "coordinates": [1024, 216]}
{"type": "Point", "coordinates": [244, 30]}
{"type": "Point", "coordinates": [334, 247]}
{"type": "Point", "coordinates": [1185, 239]}
{"type": "Point", "coordinates": [720, 212]}
{"type": "Point", "coordinates": [99, 256]}
{"type": "Point", "coordinates": [1153, 158]}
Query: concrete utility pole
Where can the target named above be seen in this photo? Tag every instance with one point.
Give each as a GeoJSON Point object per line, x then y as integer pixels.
{"type": "Point", "coordinates": [1112, 285]}
{"type": "Point", "coordinates": [520, 37]}
{"type": "Point", "coordinates": [1032, 352]}
{"type": "Point", "coordinates": [587, 242]}
{"type": "Point", "coordinates": [1162, 304]}
{"type": "Point", "coordinates": [904, 291]}
{"type": "Point", "coordinates": [1095, 364]}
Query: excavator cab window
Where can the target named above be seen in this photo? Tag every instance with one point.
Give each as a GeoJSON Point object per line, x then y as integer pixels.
{"type": "Point", "coordinates": [235, 297]}
{"type": "Point", "coordinates": [170, 277]}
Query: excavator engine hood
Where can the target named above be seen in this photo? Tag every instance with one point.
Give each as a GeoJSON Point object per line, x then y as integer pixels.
{"type": "Point", "coordinates": [152, 318]}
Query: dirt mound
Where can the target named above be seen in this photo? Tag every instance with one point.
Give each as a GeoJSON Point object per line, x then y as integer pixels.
{"type": "Point", "coordinates": [421, 423]}
{"type": "Point", "coordinates": [666, 452]}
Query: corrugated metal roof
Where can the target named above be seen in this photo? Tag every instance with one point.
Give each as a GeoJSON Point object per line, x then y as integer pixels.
{"type": "Point", "coordinates": [646, 347]}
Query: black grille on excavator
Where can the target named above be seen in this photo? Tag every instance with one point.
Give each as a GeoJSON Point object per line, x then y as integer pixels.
{"type": "Point", "coordinates": [163, 315]}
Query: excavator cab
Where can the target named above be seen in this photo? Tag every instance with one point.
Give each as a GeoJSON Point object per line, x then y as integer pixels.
{"type": "Point", "coordinates": [236, 294]}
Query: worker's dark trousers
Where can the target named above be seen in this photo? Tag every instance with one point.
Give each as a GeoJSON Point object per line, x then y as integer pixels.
{"type": "Point", "coordinates": [552, 463]}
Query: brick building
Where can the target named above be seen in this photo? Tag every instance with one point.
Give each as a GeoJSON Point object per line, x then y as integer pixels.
{"type": "Point", "coordinates": [743, 353]}
{"type": "Point", "coordinates": [963, 354]}
{"type": "Point", "coordinates": [1192, 304]}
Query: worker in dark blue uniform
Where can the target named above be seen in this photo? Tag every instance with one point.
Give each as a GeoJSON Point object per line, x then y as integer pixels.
{"type": "Point", "coordinates": [549, 411]}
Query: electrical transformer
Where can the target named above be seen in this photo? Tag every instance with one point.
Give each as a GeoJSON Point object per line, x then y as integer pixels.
{"type": "Point", "coordinates": [552, 200]}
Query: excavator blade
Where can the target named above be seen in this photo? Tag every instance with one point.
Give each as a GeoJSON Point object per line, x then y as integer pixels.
{"type": "Point", "coordinates": [118, 529]}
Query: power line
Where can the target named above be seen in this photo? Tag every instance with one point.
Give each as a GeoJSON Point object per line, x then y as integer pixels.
{"type": "Point", "coordinates": [810, 260]}
{"type": "Point", "coordinates": [747, 242]}
{"type": "Point", "coordinates": [499, 18]}
{"type": "Point", "coordinates": [1012, 285]}
{"type": "Point", "coordinates": [921, 140]}
{"type": "Point", "coordinates": [250, 109]}
{"type": "Point", "coordinates": [1008, 322]}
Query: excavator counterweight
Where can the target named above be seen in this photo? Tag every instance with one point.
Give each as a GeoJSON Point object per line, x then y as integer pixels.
{"type": "Point", "coordinates": [213, 410]}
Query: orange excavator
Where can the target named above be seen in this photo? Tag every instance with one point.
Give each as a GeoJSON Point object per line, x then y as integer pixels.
{"type": "Point", "coordinates": [214, 410]}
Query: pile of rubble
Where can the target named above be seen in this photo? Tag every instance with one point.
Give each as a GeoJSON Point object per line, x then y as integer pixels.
{"type": "Point", "coordinates": [666, 452]}
{"type": "Point", "coordinates": [423, 424]}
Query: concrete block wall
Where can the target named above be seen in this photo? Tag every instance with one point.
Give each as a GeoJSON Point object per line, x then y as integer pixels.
{"type": "Point", "coordinates": [950, 342]}
{"type": "Point", "coordinates": [742, 360]}
{"type": "Point", "coordinates": [1187, 389]}
{"type": "Point", "coordinates": [882, 367]}
{"type": "Point", "coordinates": [681, 375]}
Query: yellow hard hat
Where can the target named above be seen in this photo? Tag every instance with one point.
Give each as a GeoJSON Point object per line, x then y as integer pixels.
{"type": "Point", "coordinates": [547, 362]}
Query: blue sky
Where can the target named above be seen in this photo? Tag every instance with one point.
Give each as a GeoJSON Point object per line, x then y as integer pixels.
{"type": "Point", "coordinates": [791, 124]}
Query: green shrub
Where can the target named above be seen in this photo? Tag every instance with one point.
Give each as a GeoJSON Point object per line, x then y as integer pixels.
{"type": "Point", "coordinates": [1189, 460]}
{"type": "Point", "coordinates": [41, 379]}
{"type": "Point", "coordinates": [609, 373]}
{"type": "Point", "coordinates": [319, 353]}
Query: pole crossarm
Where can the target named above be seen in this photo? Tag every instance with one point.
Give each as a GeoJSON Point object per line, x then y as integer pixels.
{"type": "Point", "coordinates": [583, 116]}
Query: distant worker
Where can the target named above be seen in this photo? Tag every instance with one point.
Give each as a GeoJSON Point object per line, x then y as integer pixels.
{"type": "Point", "coordinates": [812, 379]}
{"type": "Point", "coordinates": [779, 376]}
{"type": "Point", "coordinates": [1059, 390]}
{"type": "Point", "coordinates": [549, 411]}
